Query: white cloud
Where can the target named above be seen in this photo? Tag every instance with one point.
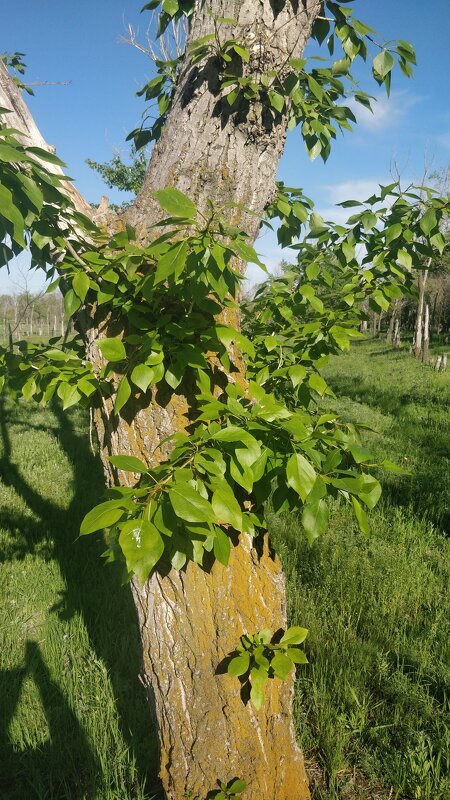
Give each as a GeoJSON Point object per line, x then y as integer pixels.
{"type": "Point", "coordinates": [387, 111]}
{"type": "Point", "coordinates": [355, 189]}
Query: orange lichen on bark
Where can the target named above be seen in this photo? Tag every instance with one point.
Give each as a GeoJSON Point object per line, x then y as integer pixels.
{"type": "Point", "coordinates": [206, 727]}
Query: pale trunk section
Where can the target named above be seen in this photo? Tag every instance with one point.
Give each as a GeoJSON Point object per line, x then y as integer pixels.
{"type": "Point", "coordinates": [397, 335]}
{"type": "Point", "coordinates": [21, 119]}
{"type": "Point", "coordinates": [418, 332]}
{"type": "Point", "coordinates": [191, 621]}
{"type": "Point", "coordinates": [426, 335]}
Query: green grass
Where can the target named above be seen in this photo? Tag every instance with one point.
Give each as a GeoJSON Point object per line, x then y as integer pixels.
{"type": "Point", "coordinates": [372, 708]}
{"type": "Point", "coordinates": [74, 722]}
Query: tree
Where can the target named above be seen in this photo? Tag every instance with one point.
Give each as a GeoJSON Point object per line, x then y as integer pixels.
{"type": "Point", "coordinates": [191, 449]}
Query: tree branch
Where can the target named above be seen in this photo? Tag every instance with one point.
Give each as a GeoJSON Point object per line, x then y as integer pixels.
{"type": "Point", "coordinates": [22, 119]}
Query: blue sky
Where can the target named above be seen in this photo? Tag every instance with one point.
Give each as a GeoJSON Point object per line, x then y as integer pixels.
{"type": "Point", "coordinates": [91, 116]}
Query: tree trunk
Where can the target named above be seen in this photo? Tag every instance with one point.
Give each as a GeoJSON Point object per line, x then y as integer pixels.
{"type": "Point", "coordinates": [190, 621]}
{"type": "Point", "coordinates": [374, 323]}
{"type": "Point", "coordinates": [426, 335]}
{"type": "Point", "coordinates": [390, 330]}
{"type": "Point", "coordinates": [397, 340]}
{"type": "Point", "coordinates": [422, 280]}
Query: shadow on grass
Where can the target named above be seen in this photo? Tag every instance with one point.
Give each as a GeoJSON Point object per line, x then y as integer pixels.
{"type": "Point", "coordinates": [421, 430]}
{"type": "Point", "coordinates": [94, 592]}
{"type": "Point", "coordinates": [30, 773]}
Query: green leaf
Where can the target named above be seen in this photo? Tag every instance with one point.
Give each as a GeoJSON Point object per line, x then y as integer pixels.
{"type": "Point", "coordinates": [341, 67]}
{"type": "Point", "coordinates": [232, 433]}
{"type": "Point", "coordinates": [370, 491]}
{"type": "Point", "coordinates": [12, 154]}
{"type": "Point", "coordinates": [294, 635]}
{"type": "Point", "coordinates": [300, 211]}
{"type": "Point", "coordinates": [393, 232]}
{"type": "Point", "coordinates": [237, 787]}
{"type": "Point", "coordinates": [257, 696]}
{"type": "Point", "coordinates": [142, 546]}
{"type": "Point", "coordinates": [276, 100]}
{"type": "Point", "coordinates": [44, 155]}
{"type": "Point", "coordinates": [80, 285]}
{"type": "Point", "coordinates": [361, 516]}
{"type": "Point", "coordinates": [317, 223]}
{"type": "Point", "coordinates": [123, 394]}
{"type": "Point", "coordinates": [317, 383]}
{"type": "Point", "coordinates": [129, 464]}
{"type": "Point", "coordinates": [301, 475]}
{"type": "Point", "coordinates": [189, 505]}
{"type": "Point", "coordinates": [174, 375]}
{"type": "Point", "coordinates": [405, 259]}
{"type": "Point", "coordinates": [102, 516]}
{"type": "Point", "coordinates": [242, 52]}
{"type": "Point", "coordinates": [227, 335]}
{"type": "Point", "coordinates": [222, 547]}
{"type": "Point", "coordinates": [227, 509]}
{"type": "Point", "coordinates": [239, 665]}
{"type": "Point", "coordinates": [297, 373]}
{"type": "Point", "coordinates": [281, 665]}
{"type": "Point", "coordinates": [170, 6]}
{"type": "Point", "coordinates": [428, 221]}
{"type": "Point", "coordinates": [71, 302]}
{"type": "Point", "coordinates": [142, 376]}
{"type": "Point", "coordinates": [393, 467]}
{"type": "Point", "coordinates": [69, 394]}
{"type": "Point", "coordinates": [360, 454]}
{"type": "Point", "coordinates": [171, 262]}
{"type": "Point", "coordinates": [315, 518]}
{"type": "Point", "coordinates": [383, 63]}
{"type": "Point", "coordinates": [32, 191]}
{"type": "Point", "coordinates": [112, 349]}
{"type": "Point", "coordinates": [296, 655]}
{"type": "Point", "coordinates": [176, 203]}
{"type": "Point", "coordinates": [9, 211]}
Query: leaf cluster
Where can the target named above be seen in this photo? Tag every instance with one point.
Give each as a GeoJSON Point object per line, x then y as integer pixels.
{"type": "Point", "coordinates": [166, 317]}
{"type": "Point", "coordinates": [35, 213]}
{"type": "Point", "coordinates": [263, 656]}
{"type": "Point", "coordinates": [15, 62]}
{"type": "Point", "coordinates": [227, 791]}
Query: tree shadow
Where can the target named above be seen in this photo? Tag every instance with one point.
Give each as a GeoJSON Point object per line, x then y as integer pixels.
{"type": "Point", "coordinates": [426, 488]}
{"type": "Point", "coordinates": [49, 769]}
{"type": "Point", "coordinates": [92, 591]}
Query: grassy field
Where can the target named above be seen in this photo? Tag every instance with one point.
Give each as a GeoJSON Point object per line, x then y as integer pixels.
{"type": "Point", "coordinates": [372, 706]}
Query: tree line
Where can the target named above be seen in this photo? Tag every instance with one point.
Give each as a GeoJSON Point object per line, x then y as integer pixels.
{"type": "Point", "coordinates": [25, 315]}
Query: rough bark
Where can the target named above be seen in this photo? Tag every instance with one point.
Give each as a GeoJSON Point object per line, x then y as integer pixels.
{"type": "Point", "coordinates": [190, 621]}
{"type": "Point", "coordinates": [209, 150]}
{"type": "Point", "coordinates": [206, 730]}
{"type": "Point", "coordinates": [193, 620]}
